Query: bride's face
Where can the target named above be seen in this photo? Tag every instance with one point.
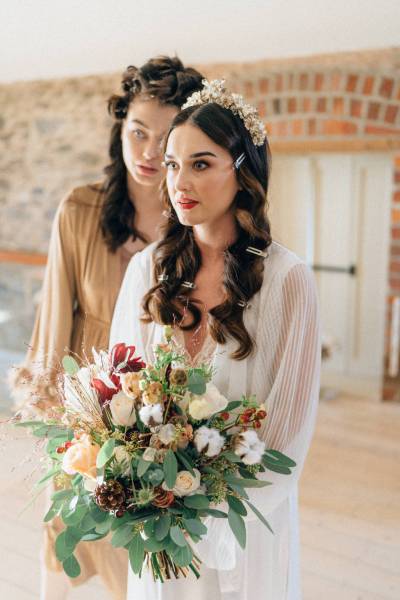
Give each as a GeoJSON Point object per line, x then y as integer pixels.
{"type": "Point", "coordinates": [201, 180]}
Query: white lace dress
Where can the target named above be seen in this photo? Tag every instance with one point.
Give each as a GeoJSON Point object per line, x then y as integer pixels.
{"type": "Point", "coordinates": [283, 372]}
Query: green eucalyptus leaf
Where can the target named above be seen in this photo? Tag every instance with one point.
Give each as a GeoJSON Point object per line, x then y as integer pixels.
{"type": "Point", "coordinates": [282, 459]}
{"type": "Point", "coordinates": [70, 365]}
{"type": "Point", "coordinates": [105, 453]}
{"type": "Point", "coordinates": [62, 550]}
{"type": "Point", "coordinates": [177, 536]}
{"type": "Point", "coordinates": [259, 515]}
{"type": "Point", "coordinates": [197, 382]}
{"type": "Point", "coordinates": [161, 527]}
{"type": "Point", "coordinates": [71, 566]}
{"type": "Point", "coordinates": [142, 467]}
{"type": "Point", "coordinates": [122, 536]}
{"type": "Point", "coordinates": [232, 405]}
{"type": "Point", "coordinates": [242, 482]}
{"type": "Point", "coordinates": [170, 466]}
{"type": "Point", "coordinates": [231, 456]}
{"type": "Point", "coordinates": [182, 456]}
{"type": "Point", "coordinates": [195, 526]}
{"type": "Point", "coordinates": [183, 557]}
{"type": "Point", "coordinates": [136, 553]}
{"type": "Point", "coordinates": [237, 505]}
{"type": "Point", "coordinates": [198, 501]}
{"type": "Point", "coordinates": [238, 527]}
{"type": "Point", "coordinates": [153, 545]}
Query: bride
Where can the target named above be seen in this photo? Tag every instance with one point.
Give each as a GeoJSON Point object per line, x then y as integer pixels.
{"type": "Point", "coordinates": [242, 301]}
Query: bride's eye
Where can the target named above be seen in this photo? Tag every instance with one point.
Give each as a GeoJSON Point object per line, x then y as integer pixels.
{"type": "Point", "coordinates": [200, 165]}
{"type": "Point", "coordinates": [170, 165]}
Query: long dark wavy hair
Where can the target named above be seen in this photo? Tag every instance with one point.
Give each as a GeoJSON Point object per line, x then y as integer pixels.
{"type": "Point", "coordinates": [166, 79]}
{"type": "Point", "coordinates": [177, 256]}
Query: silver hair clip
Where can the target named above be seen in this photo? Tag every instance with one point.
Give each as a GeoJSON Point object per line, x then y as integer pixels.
{"type": "Point", "coordinates": [243, 304]}
{"type": "Point", "coordinates": [256, 251]}
{"type": "Point", "coordinates": [239, 160]}
{"type": "Point", "coordinates": [189, 284]}
{"type": "Point", "coordinates": [162, 277]}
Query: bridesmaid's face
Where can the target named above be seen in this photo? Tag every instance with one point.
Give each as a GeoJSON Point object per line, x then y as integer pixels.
{"type": "Point", "coordinates": [201, 179]}
{"type": "Point", "coordinates": [143, 131]}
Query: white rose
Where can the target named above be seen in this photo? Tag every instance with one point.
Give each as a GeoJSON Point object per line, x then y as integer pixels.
{"type": "Point", "coordinates": [186, 484]}
{"type": "Point", "coordinates": [249, 447]}
{"type": "Point", "coordinates": [151, 415]}
{"type": "Point", "coordinates": [123, 410]}
{"type": "Point", "coordinates": [211, 402]}
{"type": "Point", "coordinates": [210, 440]}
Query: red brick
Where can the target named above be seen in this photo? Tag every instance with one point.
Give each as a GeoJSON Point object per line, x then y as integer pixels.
{"type": "Point", "coordinates": [391, 113]}
{"type": "Point", "coordinates": [355, 108]}
{"type": "Point", "coordinates": [278, 83]}
{"type": "Point", "coordinates": [368, 85]}
{"type": "Point", "coordinates": [290, 81]}
{"type": "Point", "coordinates": [307, 104]}
{"type": "Point", "coordinates": [371, 129]}
{"type": "Point", "coordinates": [396, 179]}
{"type": "Point", "coordinates": [397, 161]}
{"type": "Point", "coordinates": [386, 87]}
{"type": "Point", "coordinates": [396, 196]}
{"type": "Point", "coordinates": [312, 127]}
{"type": "Point", "coordinates": [321, 105]}
{"type": "Point", "coordinates": [303, 81]}
{"type": "Point", "coordinates": [394, 284]}
{"type": "Point", "coordinates": [395, 216]}
{"type": "Point", "coordinates": [292, 105]}
{"type": "Point", "coordinates": [389, 393]}
{"type": "Point", "coordinates": [395, 233]}
{"type": "Point", "coordinates": [395, 267]}
{"type": "Point", "coordinates": [281, 128]}
{"type": "Point", "coordinates": [248, 89]}
{"type": "Point", "coordinates": [351, 83]}
{"type": "Point", "coordinates": [263, 86]}
{"type": "Point", "coordinates": [297, 127]}
{"type": "Point", "coordinates": [261, 109]}
{"type": "Point", "coordinates": [373, 110]}
{"type": "Point", "coordinates": [318, 82]}
{"type": "Point", "coordinates": [338, 106]}
{"type": "Point", "coordinates": [334, 127]}
{"type": "Point", "coordinates": [336, 80]}
{"type": "Point", "coordinates": [394, 252]}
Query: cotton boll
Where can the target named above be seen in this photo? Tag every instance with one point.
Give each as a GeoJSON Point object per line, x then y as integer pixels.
{"type": "Point", "coordinates": [210, 440]}
{"type": "Point", "coordinates": [151, 415]}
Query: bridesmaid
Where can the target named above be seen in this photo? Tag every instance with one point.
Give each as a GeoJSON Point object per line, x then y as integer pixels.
{"type": "Point", "coordinates": [96, 231]}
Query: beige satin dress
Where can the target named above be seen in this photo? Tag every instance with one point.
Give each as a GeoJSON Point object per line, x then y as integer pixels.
{"type": "Point", "coordinates": [81, 284]}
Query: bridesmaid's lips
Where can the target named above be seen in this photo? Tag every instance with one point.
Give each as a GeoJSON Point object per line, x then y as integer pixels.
{"type": "Point", "coordinates": [187, 203]}
{"type": "Point", "coordinates": [146, 170]}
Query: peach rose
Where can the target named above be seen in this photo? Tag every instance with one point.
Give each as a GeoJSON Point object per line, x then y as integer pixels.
{"type": "Point", "coordinates": [153, 393]}
{"type": "Point", "coordinates": [81, 457]}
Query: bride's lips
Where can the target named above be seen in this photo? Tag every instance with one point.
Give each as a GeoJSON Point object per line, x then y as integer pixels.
{"type": "Point", "coordinates": [187, 203]}
{"type": "Point", "coordinates": [146, 170]}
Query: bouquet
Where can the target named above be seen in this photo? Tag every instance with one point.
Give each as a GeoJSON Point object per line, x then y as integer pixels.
{"type": "Point", "coordinates": [147, 452]}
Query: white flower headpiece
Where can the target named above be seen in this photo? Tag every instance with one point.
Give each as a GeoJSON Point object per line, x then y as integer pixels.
{"type": "Point", "coordinates": [215, 91]}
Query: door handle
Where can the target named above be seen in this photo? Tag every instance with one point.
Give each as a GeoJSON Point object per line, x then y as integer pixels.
{"type": "Point", "coordinates": [351, 270]}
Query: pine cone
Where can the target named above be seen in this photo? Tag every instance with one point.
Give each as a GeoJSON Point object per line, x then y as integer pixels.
{"type": "Point", "coordinates": [163, 498]}
{"type": "Point", "coordinates": [110, 496]}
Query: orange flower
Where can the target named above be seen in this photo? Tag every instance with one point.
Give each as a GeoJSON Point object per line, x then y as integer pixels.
{"type": "Point", "coordinates": [81, 457]}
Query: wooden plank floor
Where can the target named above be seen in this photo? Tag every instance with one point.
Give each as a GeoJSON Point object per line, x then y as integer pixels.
{"type": "Point", "coordinates": [349, 499]}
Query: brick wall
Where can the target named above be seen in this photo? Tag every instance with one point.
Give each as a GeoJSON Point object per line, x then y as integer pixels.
{"type": "Point", "coordinates": [54, 134]}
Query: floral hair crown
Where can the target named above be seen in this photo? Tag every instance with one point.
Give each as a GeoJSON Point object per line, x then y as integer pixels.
{"type": "Point", "coordinates": [215, 91]}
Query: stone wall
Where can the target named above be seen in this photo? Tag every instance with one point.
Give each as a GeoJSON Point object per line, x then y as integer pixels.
{"type": "Point", "coordinates": [54, 134]}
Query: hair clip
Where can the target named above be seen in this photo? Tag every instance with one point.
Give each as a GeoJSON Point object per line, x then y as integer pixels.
{"type": "Point", "coordinates": [243, 304]}
{"type": "Point", "coordinates": [256, 251]}
{"type": "Point", "coordinates": [162, 277]}
{"type": "Point", "coordinates": [239, 160]}
{"type": "Point", "coordinates": [188, 284]}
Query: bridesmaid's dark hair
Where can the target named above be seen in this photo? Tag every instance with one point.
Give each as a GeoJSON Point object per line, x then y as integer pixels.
{"type": "Point", "coordinates": [177, 255]}
{"type": "Point", "coordinates": [166, 79]}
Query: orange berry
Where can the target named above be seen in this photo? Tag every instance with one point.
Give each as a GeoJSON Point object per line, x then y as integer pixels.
{"type": "Point", "coordinates": [60, 449]}
{"type": "Point", "coordinates": [224, 416]}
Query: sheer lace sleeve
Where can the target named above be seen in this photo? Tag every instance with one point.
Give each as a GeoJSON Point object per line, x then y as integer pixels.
{"type": "Point", "coordinates": [293, 375]}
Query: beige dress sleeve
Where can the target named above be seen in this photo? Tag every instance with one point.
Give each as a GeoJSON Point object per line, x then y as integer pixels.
{"type": "Point", "coordinates": [33, 383]}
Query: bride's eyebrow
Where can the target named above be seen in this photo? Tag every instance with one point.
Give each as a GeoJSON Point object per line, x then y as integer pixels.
{"type": "Point", "coordinates": [139, 122]}
{"type": "Point", "coordinates": [195, 155]}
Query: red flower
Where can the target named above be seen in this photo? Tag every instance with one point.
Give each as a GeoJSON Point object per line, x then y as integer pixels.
{"type": "Point", "coordinates": [104, 392]}
{"type": "Point", "coordinates": [125, 355]}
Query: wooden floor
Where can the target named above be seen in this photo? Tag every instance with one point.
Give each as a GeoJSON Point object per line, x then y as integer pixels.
{"type": "Point", "coordinates": [349, 498]}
